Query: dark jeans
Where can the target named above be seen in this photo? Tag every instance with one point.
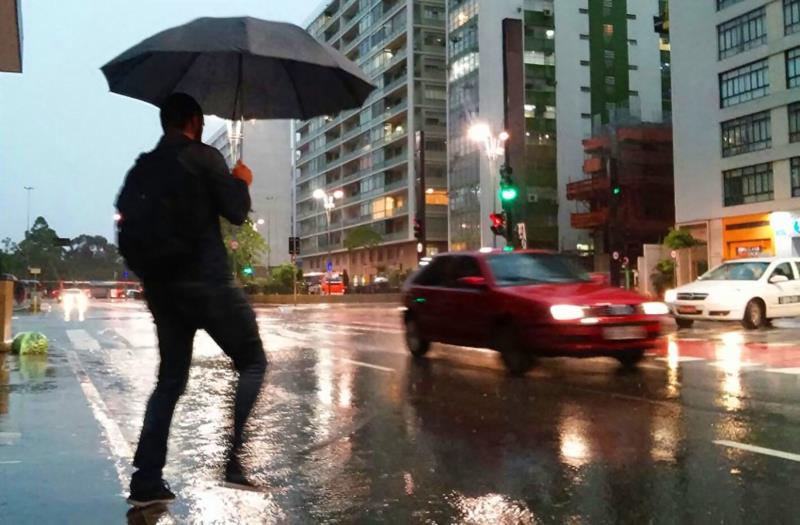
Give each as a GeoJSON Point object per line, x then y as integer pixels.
{"type": "Point", "coordinates": [179, 310]}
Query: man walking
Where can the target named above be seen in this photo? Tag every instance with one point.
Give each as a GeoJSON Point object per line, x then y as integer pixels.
{"type": "Point", "coordinates": [187, 187]}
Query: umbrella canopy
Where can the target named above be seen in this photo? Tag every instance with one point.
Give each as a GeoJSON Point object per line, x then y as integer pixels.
{"type": "Point", "coordinates": [241, 68]}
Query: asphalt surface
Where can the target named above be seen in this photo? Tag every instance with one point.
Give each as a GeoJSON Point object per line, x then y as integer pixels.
{"type": "Point", "coordinates": [350, 429]}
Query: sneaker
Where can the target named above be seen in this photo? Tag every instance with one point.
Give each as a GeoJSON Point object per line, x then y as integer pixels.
{"type": "Point", "coordinates": [143, 495]}
{"type": "Point", "coordinates": [235, 478]}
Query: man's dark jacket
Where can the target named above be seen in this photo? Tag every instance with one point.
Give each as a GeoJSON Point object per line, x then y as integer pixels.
{"type": "Point", "coordinates": [214, 194]}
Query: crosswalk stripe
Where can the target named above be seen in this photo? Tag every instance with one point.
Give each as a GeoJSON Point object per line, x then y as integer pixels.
{"type": "Point", "coordinates": [81, 340]}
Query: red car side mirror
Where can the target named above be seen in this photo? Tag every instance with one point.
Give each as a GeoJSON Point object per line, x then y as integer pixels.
{"type": "Point", "coordinates": [599, 278]}
{"type": "Point", "coordinates": [472, 282]}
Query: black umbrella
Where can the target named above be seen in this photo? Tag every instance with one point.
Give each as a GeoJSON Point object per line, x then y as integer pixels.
{"type": "Point", "coordinates": [241, 68]}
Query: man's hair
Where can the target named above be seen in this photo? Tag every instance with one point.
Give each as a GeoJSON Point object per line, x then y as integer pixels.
{"type": "Point", "coordinates": [177, 110]}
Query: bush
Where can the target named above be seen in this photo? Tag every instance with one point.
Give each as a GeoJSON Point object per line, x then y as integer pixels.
{"type": "Point", "coordinates": [664, 275]}
{"type": "Point", "coordinates": [679, 238]}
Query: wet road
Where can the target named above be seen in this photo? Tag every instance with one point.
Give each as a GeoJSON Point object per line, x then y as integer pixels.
{"type": "Point", "coordinates": [349, 428]}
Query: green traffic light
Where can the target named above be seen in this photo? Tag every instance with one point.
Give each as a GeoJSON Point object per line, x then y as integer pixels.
{"type": "Point", "coordinates": [617, 190]}
{"type": "Point", "coordinates": [508, 193]}
{"type": "Point", "coordinates": [247, 270]}
{"type": "Point", "coordinates": [508, 248]}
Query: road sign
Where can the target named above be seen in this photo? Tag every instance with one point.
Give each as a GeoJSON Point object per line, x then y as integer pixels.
{"type": "Point", "coordinates": [35, 271]}
{"type": "Point", "coordinates": [523, 235]}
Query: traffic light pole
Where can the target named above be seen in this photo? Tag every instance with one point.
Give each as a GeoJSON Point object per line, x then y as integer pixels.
{"type": "Point", "coordinates": [421, 236]}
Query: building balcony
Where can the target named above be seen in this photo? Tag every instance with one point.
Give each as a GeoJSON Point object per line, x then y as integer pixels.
{"type": "Point", "coordinates": [590, 220]}
{"type": "Point", "coordinates": [593, 165]}
{"type": "Point", "coordinates": [588, 189]}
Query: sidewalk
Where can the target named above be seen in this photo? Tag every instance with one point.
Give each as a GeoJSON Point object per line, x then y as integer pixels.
{"type": "Point", "coordinates": [54, 465]}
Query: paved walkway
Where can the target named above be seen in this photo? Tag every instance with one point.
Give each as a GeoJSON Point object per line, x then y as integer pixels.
{"type": "Point", "coordinates": [54, 465]}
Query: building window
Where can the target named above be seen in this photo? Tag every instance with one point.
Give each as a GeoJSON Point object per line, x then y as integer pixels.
{"type": "Point", "coordinates": [632, 42]}
{"type": "Point", "coordinates": [794, 122]}
{"type": "Point", "coordinates": [584, 62]}
{"type": "Point", "coordinates": [793, 68]}
{"type": "Point", "coordinates": [583, 11]}
{"type": "Point", "coordinates": [722, 4]}
{"type": "Point", "coordinates": [742, 33]}
{"type": "Point", "coordinates": [744, 83]}
{"type": "Point", "coordinates": [630, 17]}
{"type": "Point", "coordinates": [463, 66]}
{"type": "Point", "coordinates": [795, 164]}
{"type": "Point", "coordinates": [745, 134]}
{"type": "Point", "coordinates": [584, 36]}
{"type": "Point", "coordinates": [633, 67]}
{"type": "Point", "coordinates": [791, 16]}
{"type": "Point", "coordinates": [749, 184]}
{"type": "Point", "coordinates": [586, 89]}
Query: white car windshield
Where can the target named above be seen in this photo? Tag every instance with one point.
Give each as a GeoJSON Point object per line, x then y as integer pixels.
{"type": "Point", "coordinates": [737, 271]}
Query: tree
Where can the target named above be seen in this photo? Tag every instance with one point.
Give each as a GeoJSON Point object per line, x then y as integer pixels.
{"type": "Point", "coordinates": [678, 238]}
{"type": "Point", "coordinates": [361, 237]}
{"type": "Point", "coordinates": [39, 250]}
{"type": "Point", "coordinates": [245, 246]}
{"type": "Point", "coordinates": [92, 257]}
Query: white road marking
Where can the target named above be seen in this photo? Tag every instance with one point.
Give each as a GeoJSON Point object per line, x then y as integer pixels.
{"type": "Point", "coordinates": [81, 340]}
{"type": "Point", "coordinates": [744, 364]}
{"type": "Point", "coordinates": [118, 445]}
{"type": "Point", "coordinates": [9, 438]}
{"type": "Point", "coordinates": [790, 371]}
{"type": "Point", "coordinates": [10, 462]}
{"type": "Point", "coordinates": [759, 450]}
{"type": "Point", "coordinates": [368, 365]}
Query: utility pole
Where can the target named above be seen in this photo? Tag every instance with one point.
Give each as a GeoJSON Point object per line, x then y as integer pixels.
{"type": "Point", "coordinates": [29, 189]}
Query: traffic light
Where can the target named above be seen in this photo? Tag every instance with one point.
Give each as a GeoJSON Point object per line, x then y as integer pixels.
{"type": "Point", "coordinates": [419, 230]}
{"type": "Point", "coordinates": [247, 270]}
{"type": "Point", "coordinates": [498, 223]}
{"type": "Point", "coordinates": [508, 191]}
{"type": "Point", "coordinates": [616, 190]}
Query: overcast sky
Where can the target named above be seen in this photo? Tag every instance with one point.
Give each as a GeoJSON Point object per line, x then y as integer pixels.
{"type": "Point", "coordinates": [61, 131]}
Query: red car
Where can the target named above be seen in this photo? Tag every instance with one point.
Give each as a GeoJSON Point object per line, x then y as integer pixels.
{"type": "Point", "coordinates": [526, 304]}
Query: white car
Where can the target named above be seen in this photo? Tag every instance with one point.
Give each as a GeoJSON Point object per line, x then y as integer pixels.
{"type": "Point", "coordinates": [752, 291]}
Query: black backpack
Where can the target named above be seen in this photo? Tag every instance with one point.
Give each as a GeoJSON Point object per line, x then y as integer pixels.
{"type": "Point", "coordinates": [156, 227]}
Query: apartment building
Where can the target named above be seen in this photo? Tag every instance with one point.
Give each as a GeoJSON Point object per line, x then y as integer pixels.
{"type": "Point", "coordinates": [266, 150]}
{"type": "Point", "coordinates": [735, 87]}
{"type": "Point", "coordinates": [584, 64]}
{"type": "Point", "coordinates": [364, 160]}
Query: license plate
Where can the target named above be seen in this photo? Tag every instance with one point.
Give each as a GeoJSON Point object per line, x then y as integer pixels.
{"type": "Point", "coordinates": [688, 310]}
{"type": "Point", "coordinates": [622, 333]}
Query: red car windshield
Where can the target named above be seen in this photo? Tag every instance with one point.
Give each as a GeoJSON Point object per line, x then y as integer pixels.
{"type": "Point", "coordinates": [520, 269]}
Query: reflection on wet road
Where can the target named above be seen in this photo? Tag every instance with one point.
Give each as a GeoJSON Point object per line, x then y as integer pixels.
{"type": "Point", "coordinates": [350, 428]}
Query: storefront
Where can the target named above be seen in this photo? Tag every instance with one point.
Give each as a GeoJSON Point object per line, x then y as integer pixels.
{"type": "Point", "coordinates": [748, 236]}
{"type": "Point", "coordinates": [786, 225]}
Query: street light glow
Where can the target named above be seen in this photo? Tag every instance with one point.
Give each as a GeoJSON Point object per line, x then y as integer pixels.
{"type": "Point", "coordinates": [503, 136]}
{"type": "Point", "coordinates": [479, 132]}
{"type": "Point", "coordinates": [338, 194]}
{"type": "Point", "coordinates": [318, 194]}
{"type": "Point", "coordinates": [260, 222]}
{"type": "Point", "coordinates": [117, 217]}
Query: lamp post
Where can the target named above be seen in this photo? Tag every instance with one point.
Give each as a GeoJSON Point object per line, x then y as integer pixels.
{"type": "Point", "coordinates": [493, 148]}
{"type": "Point", "coordinates": [329, 202]}
{"type": "Point", "coordinates": [29, 189]}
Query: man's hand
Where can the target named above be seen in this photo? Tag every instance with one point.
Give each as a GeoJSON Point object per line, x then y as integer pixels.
{"type": "Point", "coordinates": [242, 172]}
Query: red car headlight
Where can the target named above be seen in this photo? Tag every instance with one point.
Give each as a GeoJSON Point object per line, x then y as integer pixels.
{"type": "Point", "coordinates": [567, 312]}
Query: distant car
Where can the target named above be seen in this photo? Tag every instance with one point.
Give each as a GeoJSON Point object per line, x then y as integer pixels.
{"type": "Point", "coordinates": [526, 304]}
{"type": "Point", "coordinates": [751, 291]}
{"type": "Point", "coordinates": [133, 293]}
{"type": "Point", "coordinates": [74, 298]}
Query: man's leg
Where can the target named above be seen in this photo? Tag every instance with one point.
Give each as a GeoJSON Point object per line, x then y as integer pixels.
{"type": "Point", "coordinates": [175, 338]}
{"type": "Point", "coordinates": [231, 322]}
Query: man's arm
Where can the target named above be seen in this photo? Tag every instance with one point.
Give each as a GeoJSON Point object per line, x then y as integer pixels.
{"type": "Point", "coordinates": [228, 193]}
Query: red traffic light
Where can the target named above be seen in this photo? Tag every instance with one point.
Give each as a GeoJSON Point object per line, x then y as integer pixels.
{"type": "Point", "coordinates": [498, 223]}
{"type": "Point", "coordinates": [418, 229]}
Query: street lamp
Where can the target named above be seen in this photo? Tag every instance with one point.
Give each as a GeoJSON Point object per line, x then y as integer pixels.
{"type": "Point", "coordinates": [29, 189]}
{"type": "Point", "coordinates": [494, 148]}
{"type": "Point", "coordinates": [329, 202]}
